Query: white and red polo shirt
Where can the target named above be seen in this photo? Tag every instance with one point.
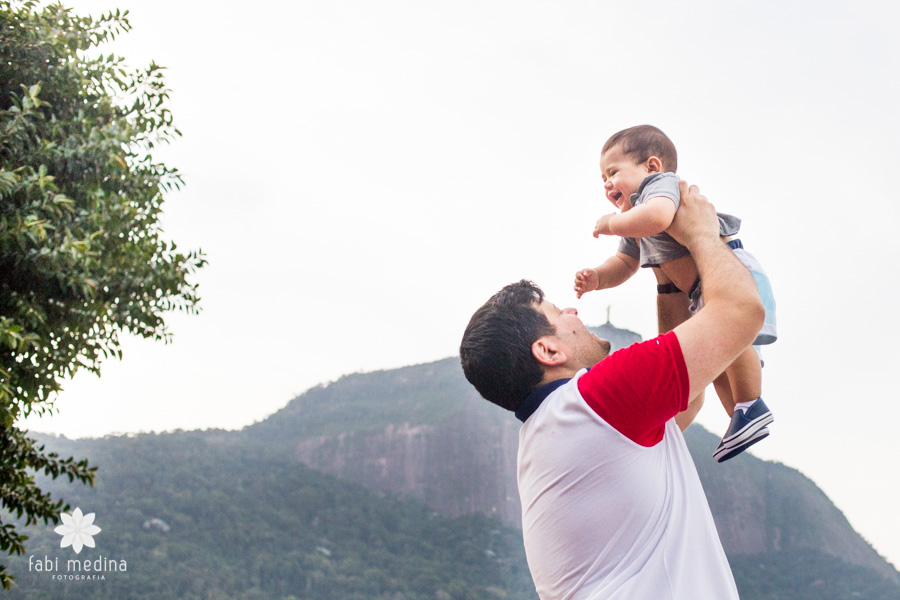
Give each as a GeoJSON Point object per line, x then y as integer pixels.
{"type": "Point", "coordinates": [612, 507]}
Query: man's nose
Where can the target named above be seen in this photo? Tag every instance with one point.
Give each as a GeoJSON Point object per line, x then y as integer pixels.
{"type": "Point", "coordinates": [570, 311]}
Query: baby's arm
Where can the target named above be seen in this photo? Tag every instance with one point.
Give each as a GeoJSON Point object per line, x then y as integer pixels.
{"type": "Point", "coordinates": [615, 271]}
{"type": "Point", "coordinates": [652, 217]}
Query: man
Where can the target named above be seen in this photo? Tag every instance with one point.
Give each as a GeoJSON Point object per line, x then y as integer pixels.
{"type": "Point", "coordinates": [612, 506]}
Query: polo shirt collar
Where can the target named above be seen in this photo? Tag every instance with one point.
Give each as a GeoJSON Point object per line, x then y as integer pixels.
{"type": "Point", "coordinates": [534, 399]}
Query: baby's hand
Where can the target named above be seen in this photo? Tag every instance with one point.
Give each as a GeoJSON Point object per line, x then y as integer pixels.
{"type": "Point", "coordinates": [586, 280]}
{"type": "Point", "coordinates": [602, 226]}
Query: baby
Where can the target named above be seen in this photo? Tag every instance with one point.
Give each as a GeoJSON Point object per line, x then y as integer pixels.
{"type": "Point", "coordinates": [638, 168]}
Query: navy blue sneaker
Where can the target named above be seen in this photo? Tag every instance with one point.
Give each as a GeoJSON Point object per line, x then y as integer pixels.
{"type": "Point", "coordinates": [722, 453]}
{"type": "Point", "coordinates": [744, 430]}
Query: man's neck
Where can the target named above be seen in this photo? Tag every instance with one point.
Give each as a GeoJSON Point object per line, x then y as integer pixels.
{"type": "Point", "coordinates": [556, 373]}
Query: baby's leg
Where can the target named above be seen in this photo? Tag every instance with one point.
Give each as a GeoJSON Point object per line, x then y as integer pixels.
{"type": "Point", "coordinates": [672, 311]}
{"type": "Point", "coordinates": [723, 391]}
{"type": "Point", "coordinates": [671, 303]}
{"type": "Point", "coordinates": [742, 387]}
{"type": "Point", "coordinates": [745, 378]}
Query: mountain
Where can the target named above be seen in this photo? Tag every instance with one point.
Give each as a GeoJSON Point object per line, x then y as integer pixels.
{"type": "Point", "coordinates": [424, 431]}
{"type": "Point", "coordinates": [419, 430]}
{"type": "Point", "coordinates": [396, 485]}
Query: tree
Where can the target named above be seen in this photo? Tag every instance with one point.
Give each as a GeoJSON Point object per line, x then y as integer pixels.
{"type": "Point", "coordinates": [82, 257]}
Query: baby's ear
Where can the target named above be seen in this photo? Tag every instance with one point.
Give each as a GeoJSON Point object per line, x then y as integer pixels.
{"type": "Point", "coordinates": [654, 165]}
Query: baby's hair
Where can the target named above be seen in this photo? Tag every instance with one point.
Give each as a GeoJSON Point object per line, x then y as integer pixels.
{"type": "Point", "coordinates": [643, 141]}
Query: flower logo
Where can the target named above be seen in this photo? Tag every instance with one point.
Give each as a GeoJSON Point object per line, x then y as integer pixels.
{"type": "Point", "coordinates": [77, 530]}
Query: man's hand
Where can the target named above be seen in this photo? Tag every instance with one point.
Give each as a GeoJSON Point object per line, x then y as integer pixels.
{"type": "Point", "coordinates": [586, 281]}
{"type": "Point", "coordinates": [602, 226]}
{"type": "Point", "coordinates": [696, 218]}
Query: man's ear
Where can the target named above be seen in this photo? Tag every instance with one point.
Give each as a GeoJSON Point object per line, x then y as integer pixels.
{"type": "Point", "coordinates": [548, 352]}
{"type": "Point", "coordinates": [654, 165]}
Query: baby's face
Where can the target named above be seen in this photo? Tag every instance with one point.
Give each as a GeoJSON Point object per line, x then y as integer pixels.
{"type": "Point", "coordinates": [621, 177]}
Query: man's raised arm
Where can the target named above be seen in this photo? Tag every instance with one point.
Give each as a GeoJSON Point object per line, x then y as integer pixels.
{"type": "Point", "coordinates": [732, 313]}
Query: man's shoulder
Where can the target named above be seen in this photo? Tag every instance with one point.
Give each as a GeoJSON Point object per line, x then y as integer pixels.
{"type": "Point", "coordinates": [638, 388]}
{"type": "Point", "coordinates": [634, 356]}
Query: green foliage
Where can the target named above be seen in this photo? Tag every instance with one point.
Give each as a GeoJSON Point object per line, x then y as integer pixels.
{"type": "Point", "coordinates": [247, 522]}
{"type": "Point", "coordinates": [81, 253]}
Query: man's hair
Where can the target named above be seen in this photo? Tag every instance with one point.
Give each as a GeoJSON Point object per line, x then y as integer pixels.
{"type": "Point", "coordinates": [496, 348]}
{"type": "Point", "coordinates": [643, 141]}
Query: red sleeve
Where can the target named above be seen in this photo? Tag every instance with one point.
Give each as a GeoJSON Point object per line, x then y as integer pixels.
{"type": "Point", "coordinates": [639, 388]}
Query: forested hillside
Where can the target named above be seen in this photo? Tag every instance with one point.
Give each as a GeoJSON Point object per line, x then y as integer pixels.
{"type": "Point", "coordinates": [195, 517]}
{"type": "Point", "coordinates": [394, 485]}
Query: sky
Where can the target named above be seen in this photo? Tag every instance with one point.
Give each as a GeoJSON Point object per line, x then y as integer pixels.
{"type": "Point", "coordinates": [362, 176]}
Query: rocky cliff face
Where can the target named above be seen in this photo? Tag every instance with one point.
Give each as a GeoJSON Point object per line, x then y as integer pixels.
{"type": "Point", "coordinates": [464, 465]}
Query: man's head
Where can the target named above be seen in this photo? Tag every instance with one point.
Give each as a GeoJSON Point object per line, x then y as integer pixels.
{"type": "Point", "coordinates": [631, 155]}
{"type": "Point", "coordinates": [517, 340]}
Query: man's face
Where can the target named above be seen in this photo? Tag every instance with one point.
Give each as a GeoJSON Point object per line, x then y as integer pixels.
{"type": "Point", "coordinates": [583, 348]}
{"type": "Point", "coordinates": [621, 177]}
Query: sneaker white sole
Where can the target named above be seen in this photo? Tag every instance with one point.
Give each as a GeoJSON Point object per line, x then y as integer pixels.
{"type": "Point", "coordinates": [748, 431]}
{"type": "Point", "coordinates": [723, 453]}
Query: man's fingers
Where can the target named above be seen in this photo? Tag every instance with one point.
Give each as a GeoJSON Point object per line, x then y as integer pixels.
{"type": "Point", "coordinates": [692, 190]}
